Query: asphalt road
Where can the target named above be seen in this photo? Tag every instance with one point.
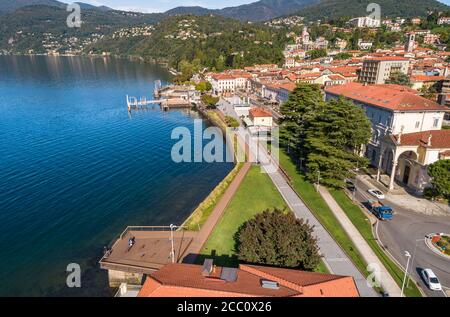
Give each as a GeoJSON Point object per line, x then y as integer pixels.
{"type": "Point", "coordinates": [405, 232]}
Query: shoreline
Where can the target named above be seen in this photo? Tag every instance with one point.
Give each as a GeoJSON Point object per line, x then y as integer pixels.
{"type": "Point", "coordinates": [204, 209]}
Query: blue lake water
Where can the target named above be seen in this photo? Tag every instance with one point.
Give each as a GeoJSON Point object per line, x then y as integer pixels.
{"type": "Point", "coordinates": [76, 168]}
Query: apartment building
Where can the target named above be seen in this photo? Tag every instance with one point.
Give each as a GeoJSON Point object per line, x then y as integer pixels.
{"type": "Point", "coordinates": [378, 69]}
{"type": "Point", "coordinates": [362, 22]}
{"type": "Point", "coordinates": [230, 82]}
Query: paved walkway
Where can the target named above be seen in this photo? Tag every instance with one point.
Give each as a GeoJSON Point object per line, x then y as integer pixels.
{"type": "Point", "coordinates": [387, 282]}
{"type": "Point", "coordinates": [208, 226]}
{"type": "Point", "coordinates": [333, 256]}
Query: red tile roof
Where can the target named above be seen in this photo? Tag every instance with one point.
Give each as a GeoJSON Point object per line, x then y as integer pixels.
{"type": "Point", "coordinates": [440, 139]}
{"type": "Point", "coordinates": [385, 96]}
{"type": "Point", "coordinates": [186, 280]}
{"type": "Point", "coordinates": [259, 112]}
{"type": "Point", "coordinates": [387, 58]}
{"type": "Point", "coordinates": [426, 78]}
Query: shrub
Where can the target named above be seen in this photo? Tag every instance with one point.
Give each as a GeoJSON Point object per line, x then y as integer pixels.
{"type": "Point", "coordinates": [278, 238]}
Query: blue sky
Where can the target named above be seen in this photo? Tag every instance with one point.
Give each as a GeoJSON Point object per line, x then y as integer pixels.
{"type": "Point", "coordinates": [164, 5]}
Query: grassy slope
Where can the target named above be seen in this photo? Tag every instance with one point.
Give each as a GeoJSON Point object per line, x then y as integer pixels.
{"type": "Point", "coordinates": [255, 194]}
{"type": "Point", "coordinates": [317, 205]}
{"type": "Point", "coordinates": [362, 223]}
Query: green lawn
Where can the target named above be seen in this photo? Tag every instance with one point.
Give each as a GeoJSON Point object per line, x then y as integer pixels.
{"type": "Point", "coordinates": [321, 210]}
{"type": "Point", "coordinates": [256, 194]}
{"type": "Point", "coordinates": [362, 223]}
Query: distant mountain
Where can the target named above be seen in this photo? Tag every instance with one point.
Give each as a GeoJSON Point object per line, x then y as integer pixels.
{"type": "Point", "coordinates": [331, 9]}
{"type": "Point", "coordinates": [7, 6]}
{"type": "Point", "coordinates": [195, 10]}
{"type": "Point", "coordinates": [316, 9]}
{"type": "Point", "coordinates": [257, 11]}
{"type": "Point", "coordinates": [265, 9]}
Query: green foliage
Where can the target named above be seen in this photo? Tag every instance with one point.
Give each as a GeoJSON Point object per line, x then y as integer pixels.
{"type": "Point", "coordinates": [303, 100]}
{"type": "Point", "coordinates": [341, 56]}
{"type": "Point", "coordinates": [214, 42]}
{"type": "Point", "coordinates": [333, 9]}
{"type": "Point", "coordinates": [231, 122]}
{"type": "Point", "coordinates": [327, 136]}
{"type": "Point", "coordinates": [399, 79]}
{"type": "Point", "coordinates": [440, 179]}
{"type": "Point", "coordinates": [278, 238]}
{"type": "Point", "coordinates": [333, 140]}
{"type": "Point", "coordinates": [210, 101]}
{"type": "Point", "coordinates": [203, 86]}
{"type": "Point", "coordinates": [317, 53]}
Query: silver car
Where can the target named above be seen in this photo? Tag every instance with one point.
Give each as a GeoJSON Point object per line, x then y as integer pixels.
{"type": "Point", "coordinates": [431, 279]}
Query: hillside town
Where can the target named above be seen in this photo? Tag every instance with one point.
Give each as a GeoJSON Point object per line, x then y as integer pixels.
{"type": "Point", "coordinates": [417, 111]}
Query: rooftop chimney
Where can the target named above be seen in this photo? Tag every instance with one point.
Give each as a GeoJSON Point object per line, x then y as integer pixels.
{"type": "Point", "coordinates": [207, 267]}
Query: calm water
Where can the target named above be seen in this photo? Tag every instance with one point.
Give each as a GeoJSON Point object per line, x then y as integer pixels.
{"type": "Point", "coordinates": [76, 168]}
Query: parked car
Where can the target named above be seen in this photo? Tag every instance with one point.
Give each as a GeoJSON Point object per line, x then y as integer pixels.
{"type": "Point", "coordinates": [376, 193]}
{"type": "Point", "coordinates": [431, 280]}
{"type": "Point", "coordinates": [382, 212]}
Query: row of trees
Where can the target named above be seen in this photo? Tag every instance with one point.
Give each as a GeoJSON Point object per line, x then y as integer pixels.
{"type": "Point", "coordinates": [324, 137]}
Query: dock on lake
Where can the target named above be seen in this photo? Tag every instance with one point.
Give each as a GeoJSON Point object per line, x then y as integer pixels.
{"type": "Point", "coordinates": [165, 103]}
{"type": "Point", "coordinates": [167, 97]}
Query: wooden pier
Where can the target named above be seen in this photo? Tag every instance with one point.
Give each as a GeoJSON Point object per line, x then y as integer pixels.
{"type": "Point", "coordinates": [165, 103]}
{"type": "Point", "coordinates": [172, 96]}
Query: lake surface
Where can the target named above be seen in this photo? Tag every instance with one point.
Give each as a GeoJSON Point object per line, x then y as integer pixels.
{"type": "Point", "coordinates": [76, 168]}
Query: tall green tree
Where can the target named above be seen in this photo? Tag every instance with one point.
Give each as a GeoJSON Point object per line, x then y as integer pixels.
{"type": "Point", "coordinates": [278, 238]}
{"type": "Point", "coordinates": [305, 99]}
{"type": "Point", "coordinates": [440, 178]}
{"type": "Point", "coordinates": [334, 139]}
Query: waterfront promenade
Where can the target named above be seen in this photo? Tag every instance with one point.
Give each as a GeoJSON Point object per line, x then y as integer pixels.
{"type": "Point", "coordinates": [142, 257]}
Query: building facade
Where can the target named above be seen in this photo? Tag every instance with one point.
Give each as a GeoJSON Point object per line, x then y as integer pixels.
{"type": "Point", "coordinates": [392, 110]}
{"type": "Point", "coordinates": [378, 70]}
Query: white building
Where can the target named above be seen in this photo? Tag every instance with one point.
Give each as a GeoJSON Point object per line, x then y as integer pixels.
{"type": "Point", "coordinates": [443, 20]}
{"type": "Point", "coordinates": [260, 117]}
{"type": "Point", "coordinates": [228, 83]}
{"type": "Point", "coordinates": [365, 45]}
{"type": "Point", "coordinates": [393, 110]}
{"type": "Point", "coordinates": [362, 22]}
{"type": "Point", "coordinates": [378, 70]}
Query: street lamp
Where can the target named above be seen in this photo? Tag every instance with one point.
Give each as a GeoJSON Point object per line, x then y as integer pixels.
{"type": "Point", "coordinates": [412, 260]}
{"type": "Point", "coordinates": [172, 252]}
{"type": "Point", "coordinates": [318, 180]}
{"type": "Point", "coordinates": [406, 271]}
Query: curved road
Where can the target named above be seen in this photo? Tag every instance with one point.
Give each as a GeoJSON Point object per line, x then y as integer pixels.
{"type": "Point", "coordinates": [404, 231]}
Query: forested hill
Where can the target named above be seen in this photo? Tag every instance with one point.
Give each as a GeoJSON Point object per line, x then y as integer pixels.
{"type": "Point", "coordinates": [332, 9]}
{"type": "Point", "coordinates": [25, 28]}
{"type": "Point", "coordinates": [203, 41]}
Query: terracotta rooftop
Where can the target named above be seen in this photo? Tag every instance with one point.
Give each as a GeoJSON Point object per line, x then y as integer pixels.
{"type": "Point", "coordinates": [387, 58]}
{"type": "Point", "coordinates": [385, 96]}
{"type": "Point", "coordinates": [427, 78]}
{"type": "Point", "coordinates": [440, 139]}
{"type": "Point", "coordinates": [259, 112]}
{"type": "Point", "coordinates": [187, 280]}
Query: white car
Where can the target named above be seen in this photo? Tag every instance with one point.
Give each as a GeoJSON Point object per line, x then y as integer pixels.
{"type": "Point", "coordinates": [376, 193]}
{"type": "Point", "coordinates": [431, 279]}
